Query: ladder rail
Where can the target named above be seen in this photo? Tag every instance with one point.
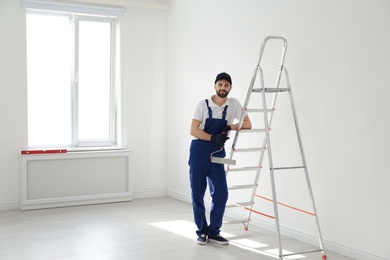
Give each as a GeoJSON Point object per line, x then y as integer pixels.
{"type": "Point", "coordinates": [252, 82]}
{"type": "Point", "coordinates": [267, 127]}
{"type": "Point", "coordinates": [279, 75]}
{"type": "Point", "coordinates": [303, 156]}
{"type": "Point", "coordinates": [266, 39]}
{"type": "Point", "coordinates": [253, 79]}
{"type": "Point", "coordinates": [257, 68]}
{"type": "Point", "coordinates": [258, 71]}
{"type": "Point", "coordinates": [270, 162]}
{"type": "Point", "coordinates": [266, 119]}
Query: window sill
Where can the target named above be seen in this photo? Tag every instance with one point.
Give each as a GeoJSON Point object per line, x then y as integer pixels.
{"type": "Point", "coordinates": [96, 149]}
{"type": "Point", "coordinates": [75, 150]}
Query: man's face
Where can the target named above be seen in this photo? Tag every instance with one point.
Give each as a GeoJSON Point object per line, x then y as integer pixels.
{"type": "Point", "coordinates": [222, 88]}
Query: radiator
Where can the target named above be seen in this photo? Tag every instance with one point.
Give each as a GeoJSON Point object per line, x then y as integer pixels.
{"type": "Point", "coordinates": [74, 178]}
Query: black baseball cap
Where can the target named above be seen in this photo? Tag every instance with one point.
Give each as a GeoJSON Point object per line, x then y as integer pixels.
{"type": "Point", "coordinates": [223, 75]}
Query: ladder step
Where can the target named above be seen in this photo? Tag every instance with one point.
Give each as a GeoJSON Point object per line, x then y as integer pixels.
{"type": "Point", "coordinates": [244, 150]}
{"type": "Point", "coordinates": [241, 169]}
{"type": "Point", "coordinates": [270, 90]}
{"type": "Point", "coordinates": [252, 130]}
{"type": "Point", "coordinates": [289, 168]}
{"type": "Point", "coordinates": [241, 187]}
{"type": "Point", "coordinates": [235, 221]}
{"type": "Point", "coordinates": [304, 252]}
{"type": "Point", "coordinates": [238, 204]}
{"type": "Point", "coordinates": [260, 110]}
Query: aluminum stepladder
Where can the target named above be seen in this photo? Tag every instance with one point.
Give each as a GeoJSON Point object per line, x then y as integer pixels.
{"type": "Point", "coordinates": [265, 150]}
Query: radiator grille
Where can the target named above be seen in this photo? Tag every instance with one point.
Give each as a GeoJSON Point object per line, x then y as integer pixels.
{"type": "Point", "coordinates": [60, 178]}
{"type": "Point", "coordinates": [70, 177]}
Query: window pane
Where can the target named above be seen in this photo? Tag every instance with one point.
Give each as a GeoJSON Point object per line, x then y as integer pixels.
{"type": "Point", "coordinates": [49, 80]}
{"type": "Point", "coordinates": [94, 80]}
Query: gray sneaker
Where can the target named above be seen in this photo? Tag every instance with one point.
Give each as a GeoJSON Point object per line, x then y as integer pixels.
{"type": "Point", "coordinates": [219, 239]}
{"type": "Point", "coordinates": [202, 239]}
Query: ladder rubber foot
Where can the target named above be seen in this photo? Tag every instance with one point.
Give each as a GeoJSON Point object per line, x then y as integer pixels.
{"type": "Point", "coordinates": [246, 228]}
{"type": "Point", "coordinates": [324, 257]}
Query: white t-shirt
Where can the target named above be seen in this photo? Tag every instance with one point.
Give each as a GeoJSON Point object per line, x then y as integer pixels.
{"type": "Point", "coordinates": [233, 112]}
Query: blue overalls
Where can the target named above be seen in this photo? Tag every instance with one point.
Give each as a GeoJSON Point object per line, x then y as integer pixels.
{"type": "Point", "coordinates": [202, 170]}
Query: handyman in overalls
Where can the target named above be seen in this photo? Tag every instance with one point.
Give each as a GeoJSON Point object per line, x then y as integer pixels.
{"type": "Point", "coordinates": [212, 120]}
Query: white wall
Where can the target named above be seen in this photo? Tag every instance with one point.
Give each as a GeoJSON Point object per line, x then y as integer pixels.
{"type": "Point", "coordinates": [13, 99]}
{"type": "Point", "coordinates": [144, 74]}
{"type": "Point", "coordinates": [338, 58]}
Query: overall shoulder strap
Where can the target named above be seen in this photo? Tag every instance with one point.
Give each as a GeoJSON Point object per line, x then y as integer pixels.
{"type": "Point", "coordinates": [208, 107]}
{"type": "Point", "coordinates": [224, 113]}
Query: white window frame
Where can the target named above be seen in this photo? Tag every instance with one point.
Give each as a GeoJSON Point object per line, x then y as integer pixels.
{"type": "Point", "coordinates": [75, 79]}
{"type": "Point", "coordinates": [101, 10]}
{"type": "Point", "coordinates": [96, 14]}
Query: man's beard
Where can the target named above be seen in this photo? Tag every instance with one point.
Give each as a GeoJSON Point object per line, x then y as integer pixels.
{"type": "Point", "coordinates": [222, 94]}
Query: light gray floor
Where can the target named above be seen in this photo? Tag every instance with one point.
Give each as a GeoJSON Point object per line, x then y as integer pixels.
{"type": "Point", "coordinates": [144, 229]}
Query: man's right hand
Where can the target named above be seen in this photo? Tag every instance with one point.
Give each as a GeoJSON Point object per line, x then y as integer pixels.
{"type": "Point", "coordinates": [219, 139]}
{"type": "Point", "coordinates": [226, 129]}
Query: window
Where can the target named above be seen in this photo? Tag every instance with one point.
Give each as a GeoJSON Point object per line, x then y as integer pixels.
{"type": "Point", "coordinates": [71, 80]}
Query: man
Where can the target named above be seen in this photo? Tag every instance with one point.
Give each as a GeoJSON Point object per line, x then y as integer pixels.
{"type": "Point", "coordinates": [213, 119]}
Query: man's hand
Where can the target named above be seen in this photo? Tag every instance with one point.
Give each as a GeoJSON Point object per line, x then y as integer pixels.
{"type": "Point", "coordinates": [226, 129]}
{"type": "Point", "coordinates": [219, 139]}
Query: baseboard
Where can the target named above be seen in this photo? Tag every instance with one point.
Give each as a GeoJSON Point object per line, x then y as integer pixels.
{"type": "Point", "coordinates": [10, 205]}
{"type": "Point", "coordinates": [77, 203]}
{"type": "Point", "coordinates": [139, 194]}
{"type": "Point", "coordinates": [328, 245]}
{"type": "Point", "coordinates": [350, 252]}
{"type": "Point", "coordinates": [142, 194]}
{"type": "Point", "coordinates": [179, 196]}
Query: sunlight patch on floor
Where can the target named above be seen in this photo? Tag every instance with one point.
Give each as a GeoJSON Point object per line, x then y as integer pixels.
{"type": "Point", "coordinates": [187, 229]}
{"type": "Point", "coordinates": [248, 243]}
{"type": "Point", "coordinates": [180, 227]}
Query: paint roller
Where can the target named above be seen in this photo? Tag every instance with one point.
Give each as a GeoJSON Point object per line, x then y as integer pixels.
{"type": "Point", "coordinates": [215, 159]}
